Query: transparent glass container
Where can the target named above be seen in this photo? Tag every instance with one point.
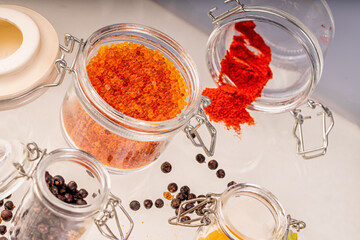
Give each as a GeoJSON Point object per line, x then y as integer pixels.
{"type": "Point", "coordinates": [298, 33]}
{"type": "Point", "coordinates": [41, 215]}
{"type": "Point", "coordinates": [242, 212]}
{"type": "Point", "coordinates": [122, 143]}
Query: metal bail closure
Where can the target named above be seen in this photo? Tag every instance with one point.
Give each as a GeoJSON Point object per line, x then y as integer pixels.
{"type": "Point", "coordinates": [60, 66]}
{"type": "Point", "coordinates": [294, 224]}
{"type": "Point", "coordinates": [194, 136]}
{"type": "Point", "coordinates": [110, 212]}
{"type": "Point", "coordinates": [298, 131]}
{"type": "Point", "coordinates": [204, 208]}
{"type": "Point", "coordinates": [238, 8]}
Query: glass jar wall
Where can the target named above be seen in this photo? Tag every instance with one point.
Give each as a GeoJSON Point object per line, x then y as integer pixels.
{"type": "Point", "coordinates": [121, 142]}
{"type": "Point", "coordinates": [298, 33]}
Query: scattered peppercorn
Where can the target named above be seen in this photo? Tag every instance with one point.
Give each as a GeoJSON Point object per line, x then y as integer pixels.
{"type": "Point", "coordinates": [6, 215]}
{"type": "Point", "coordinates": [231, 183]}
{"type": "Point", "coordinates": [185, 189]}
{"type": "Point", "coordinates": [182, 210]}
{"type": "Point", "coordinates": [175, 203]}
{"type": "Point", "coordinates": [185, 219]}
{"type": "Point", "coordinates": [191, 196]}
{"type": "Point", "coordinates": [148, 203]}
{"type": "Point", "coordinates": [213, 164]}
{"type": "Point", "coordinates": [159, 203]}
{"type": "Point", "coordinates": [3, 229]}
{"type": "Point", "coordinates": [134, 205]}
{"type": "Point", "coordinates": [172, 187]}
{"type": "Point", "coordinates": [9, 205]}
{"type": "Point", "coordinates": [220, 173]}
{"type": "Point", "coordinates": [189, 206]}
{"type": "Point", "coordinates": [166, 167]}
{"type": "Point", "coordinates": [200, 196]}
{"type": "Point", "coordinates": [200, 158]}
{"type": "Point", "coordinates": [181, 196]}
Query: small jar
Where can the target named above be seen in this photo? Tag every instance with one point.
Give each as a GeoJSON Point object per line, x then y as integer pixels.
{"type": "Point", "coordinates": [242, 212]}
{"type": "Point", "coordinates": [42, 215]}
{"type": "Point", "coordinates": [298, 33]}
{"type": "Point", "coordinates": [123, 143]}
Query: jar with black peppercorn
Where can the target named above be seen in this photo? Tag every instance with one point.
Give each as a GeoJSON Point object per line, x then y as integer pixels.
{"type": "Point", "coordinates": [242, 212]}
{"type": "Point", "coordinates": [69, 193]}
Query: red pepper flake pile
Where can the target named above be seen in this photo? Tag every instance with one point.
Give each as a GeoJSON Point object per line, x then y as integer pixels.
{"type": "Point", "coordinates": [246, 64]}
{"type": "Point", "coordinates": [138, 81]}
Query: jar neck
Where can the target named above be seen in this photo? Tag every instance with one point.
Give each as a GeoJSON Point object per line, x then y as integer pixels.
{"type": "Point", "coordinates": [116, 121]}
{"type": "Point", "coordinates": [249, 212]}
{"type": "Point", "coordinates": [90, 168]}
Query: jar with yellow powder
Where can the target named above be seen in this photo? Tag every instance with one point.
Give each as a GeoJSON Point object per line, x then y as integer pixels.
{"type": "Point", "coordinates": [134, 89]}
{"type": "Point", "coordinates": [242, 212]}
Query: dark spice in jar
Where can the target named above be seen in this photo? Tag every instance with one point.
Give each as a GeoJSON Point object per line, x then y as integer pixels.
{"type": "Point", "coordinates": [148, 203]}
{"type": "Point", "coordinates": [6, 215]}
{"type": "Point", "coordinates": [172, 187]}
{"type": "Point", "coordinates": [213, 164]}
{"type": "Point", "coordinates": [3, 229]}
{"type": "Point", "coordinates": [9, 205]}
{"type": "Point", "coordinates": [159, 203]}
{"type": "Point", "coordinates": [220, 173]}
{"type": "Point", "coordinates": [200, 158]}
{"type": "Point", "coordinates": [166, 167]}
{"type": "Point", "coordinates": [134, 205]}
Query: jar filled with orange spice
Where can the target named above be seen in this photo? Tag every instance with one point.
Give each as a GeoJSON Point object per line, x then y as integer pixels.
{"type": "Point", "coordinates": [242, 212]}
{"type": "Point", "coordinates": [134, 89]}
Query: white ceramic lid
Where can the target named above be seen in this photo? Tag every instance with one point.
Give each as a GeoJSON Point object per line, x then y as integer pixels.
{"type": "Point", "coordinates": [32, 64]}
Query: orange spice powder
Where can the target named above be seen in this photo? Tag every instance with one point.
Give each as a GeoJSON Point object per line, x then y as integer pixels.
{"type": "Point", "coordinates": [137, 81]}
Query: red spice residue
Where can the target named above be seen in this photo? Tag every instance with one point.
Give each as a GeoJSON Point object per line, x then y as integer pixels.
{"type": "Point", "coordinates": [246, 63]}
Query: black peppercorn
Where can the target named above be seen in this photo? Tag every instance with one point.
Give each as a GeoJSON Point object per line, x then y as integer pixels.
{"type": "Point", "coordinates": [68, 198]}
{"type": "Point", "coordinates": [181, 196]}
{"type": "Point", "coordinates": [83, 193]}
{"type": "Point", "coordinates": [182, 210]}
{"type": "Point", "coordinates": [175, 203]}
{"type": "Point", "coordinates": [61, 198]}
{"type": "Point", "coordinates": [148, 203]}
{"type": "Point", "coordinates": [200, 158]}
{"type": "Point", "coordinates": [48, 178]}
{"type": "Point", "coordinates": [159, 203]}
{"type": "Point", "coordinates": [185, 189]}
{"type": "Point", "coordinates": [134, 205]}
{"type": "Point", "coordinates": [213, 164]}
{"type": "Point", "coordinates": [72, 186]}
{"type": "Point", "coordinates": [54, 190]}
{"type": "Point", "coordinates": [9, 205]}
{"type": "Point", "coordinates": [166, 167]}
{"type": "Point", "coordinates": [199, 212]}
{"type": "Point", "coordinates": [6, 215]}
{"type": "Point", "coordinates": [231, 183]}
{"type": "Point", "coordinates": [185, 219]}
{"type": "Point", "coordinates": [220, 173]}
{"type": "Point", "coordinates": [1, 203]}
{"type": "Point", "coordinates": [200, 196]}
{"type": "Point", "coordinates": [58, 180]}
{"type": "Point", "coordinates": [191, 196]}
{"type": "Point", "coordinates": [189, 206]}
{"type": "Point", "coordinates": [172, 187]}
{"type": "Point", "coordinates": [3, 229]}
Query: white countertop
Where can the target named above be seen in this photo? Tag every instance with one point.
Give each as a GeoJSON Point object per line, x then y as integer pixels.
{"type": "Point", "coordinates": [323, 192]}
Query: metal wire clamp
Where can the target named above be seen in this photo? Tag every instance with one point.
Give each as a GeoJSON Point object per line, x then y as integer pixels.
{"type": "Point", "coordinates": [194, 136]}
{"type": "Point", "coordinates": [238, 8]}
{"type": "Point", "coordinates": [298, 130]}
{"type": "Point", "coordinates": [110, 212]}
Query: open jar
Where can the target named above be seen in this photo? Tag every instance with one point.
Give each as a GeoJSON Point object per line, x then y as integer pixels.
{"type": "Point", "coordinates": [121, 142]}
{"type": "Point", "coordinates": [44, 214]}
{"type": "Point", "coordinates": [298, 33]}
{"type": "Point", "coordinates": [242, 212]}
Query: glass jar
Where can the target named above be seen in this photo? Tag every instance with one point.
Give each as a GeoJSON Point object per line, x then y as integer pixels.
{"type": "Point", "coordinates": [298, 33]}
{"type": "Point", "coordinates": [242, 212]}
{"type": "Point", "coordinates": [123, 143]}
{"type": "Point", "coordinates": [41, 214]}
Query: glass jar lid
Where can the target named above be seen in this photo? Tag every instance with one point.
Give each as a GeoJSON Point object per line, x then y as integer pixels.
{"type": "Point", "coordinates": [27, 55]}
{"type": "Point", "coordinates": [296, 49]}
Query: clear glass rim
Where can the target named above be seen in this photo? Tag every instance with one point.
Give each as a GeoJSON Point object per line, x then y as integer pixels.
{"type": "Point", "coordinates": [81, 158]}
{"type": "Point", "coordinates": [264, 196]}
{"type": "Point", "coordinates": [110, 117]}
{"type": "Point", "coordinates": [300, 31]}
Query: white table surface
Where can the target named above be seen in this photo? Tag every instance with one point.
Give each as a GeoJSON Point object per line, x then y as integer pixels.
{"type": "Point", "coordinates": [323, 192]}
